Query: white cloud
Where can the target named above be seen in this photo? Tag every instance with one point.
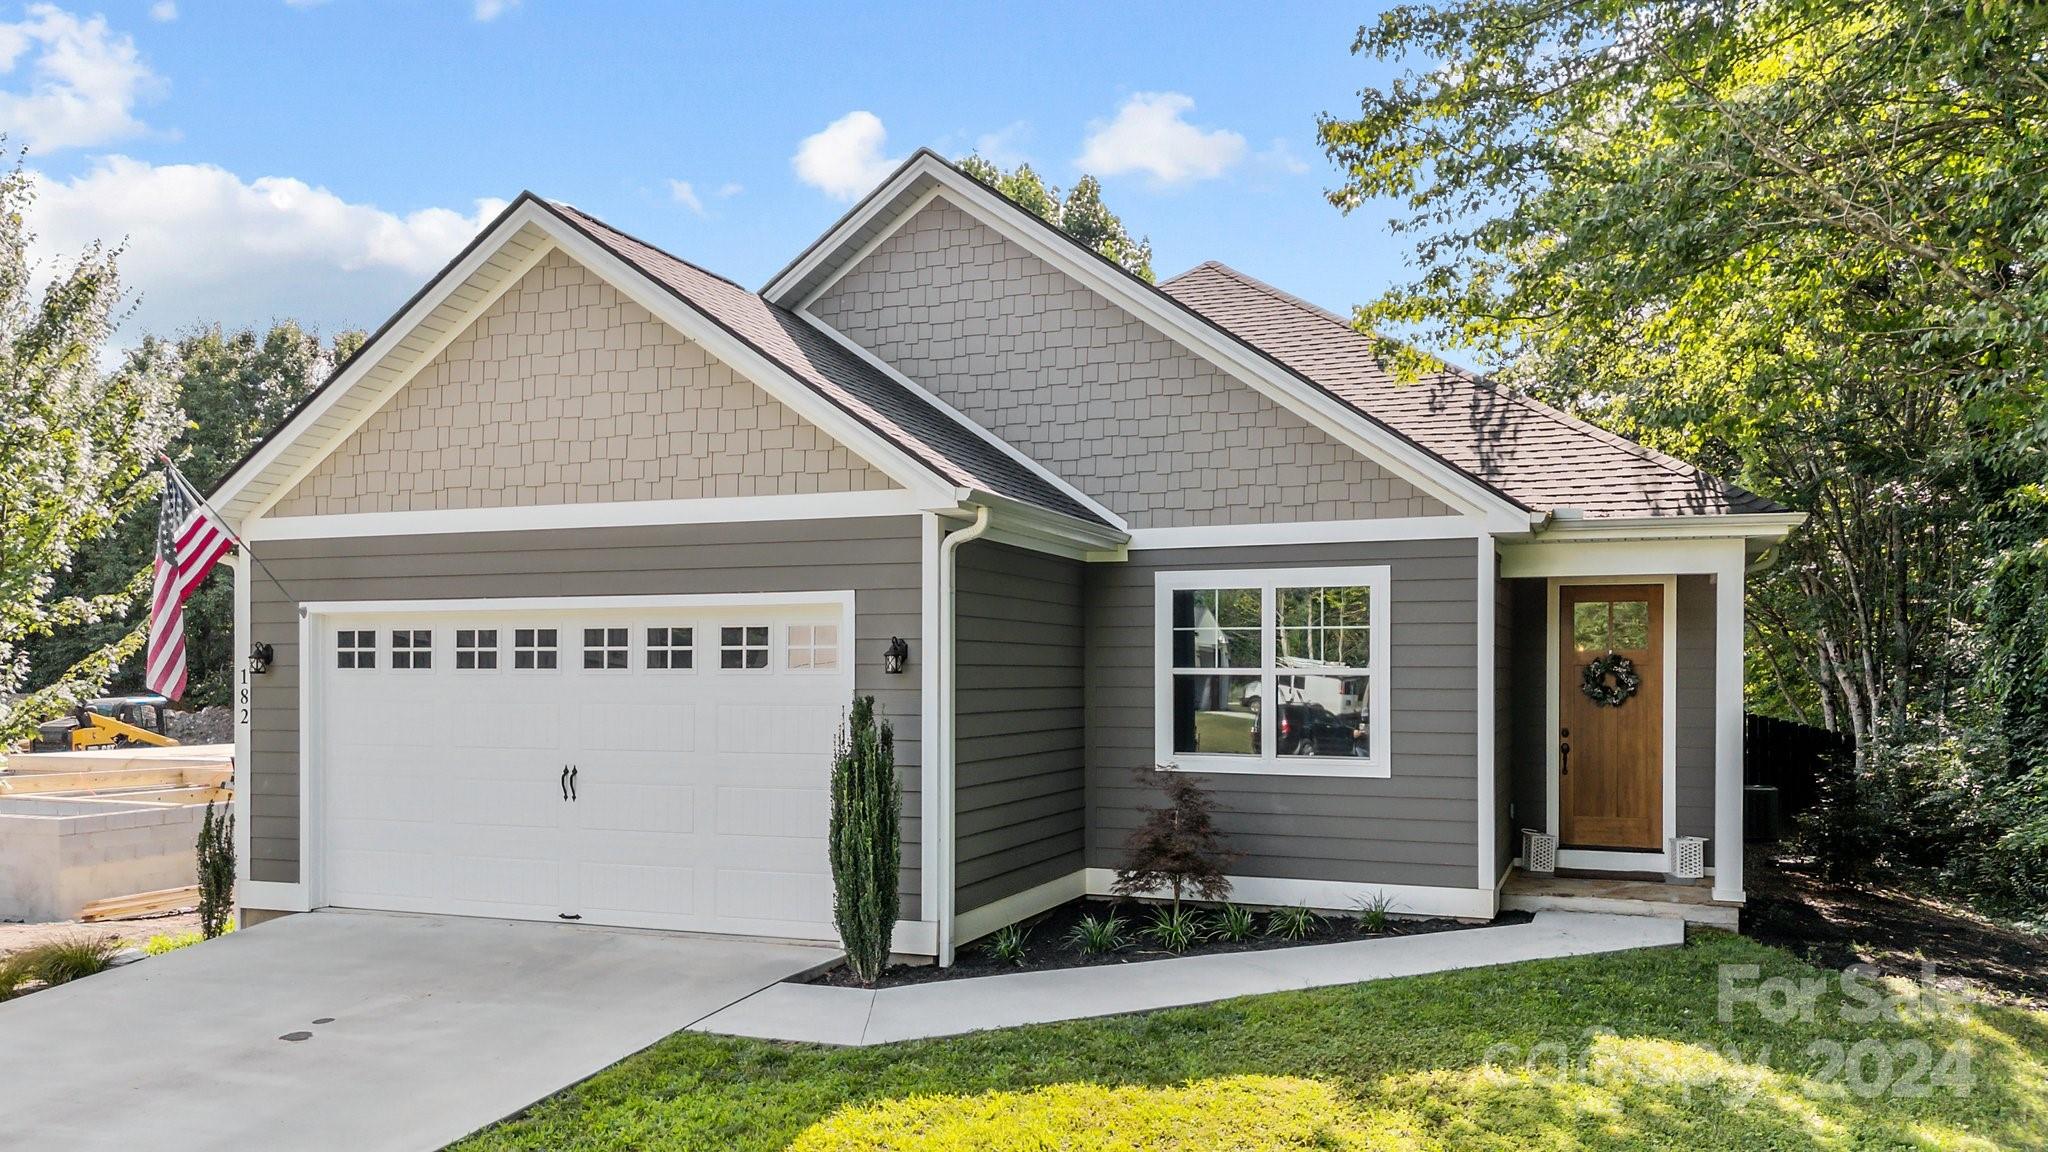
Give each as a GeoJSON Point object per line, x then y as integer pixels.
{"type": "Point", "coordinates": [163, 11]}
{"type": "Point", "coordinates": [1280, 155]}
{"type": "Point", "coordinates": [1004, 147]}
{"type": "Point", "coordinates": [202, 244]}
{"type": "Point", "coordinates": [489, 10]}
{"type": "Point", "coordinates": [686, 196]}
{"type": "Point", "coordinates": [845, 160]}
{"type": "Point", "coordinates": [1149, 135]}
{"type": "Point", "coordinates": [730, 188]}
{"type": "Point", "coordinates": [83, 82]}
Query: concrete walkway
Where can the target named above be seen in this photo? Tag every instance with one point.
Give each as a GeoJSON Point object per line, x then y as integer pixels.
{"type": "Point", "coordinates": [353, 1031]}
{"type": "Point", "coordinates": [852, 1016]}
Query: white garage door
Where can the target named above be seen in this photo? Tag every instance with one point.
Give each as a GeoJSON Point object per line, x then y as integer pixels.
{"type": "Point", "coordinates": [650, 766]}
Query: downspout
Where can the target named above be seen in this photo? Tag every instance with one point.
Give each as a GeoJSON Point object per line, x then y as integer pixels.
{"type": "Point", "coordinates": [947, 801]}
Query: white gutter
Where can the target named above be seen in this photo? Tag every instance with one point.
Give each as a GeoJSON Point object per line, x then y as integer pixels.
{"type": "Point", "coordinates": [947, 800]}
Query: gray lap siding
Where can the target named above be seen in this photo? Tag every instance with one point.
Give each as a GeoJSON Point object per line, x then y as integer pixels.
{"type": "Point", "coordinates": [1419, 826]}
{"type": "Point", "coordinates": [878, 558]}
{"type": "Point", "coordinates": [1020, 786]}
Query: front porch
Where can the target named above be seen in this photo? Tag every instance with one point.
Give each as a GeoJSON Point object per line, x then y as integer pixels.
{"type": "Point", "coordinates": [1621, 895]}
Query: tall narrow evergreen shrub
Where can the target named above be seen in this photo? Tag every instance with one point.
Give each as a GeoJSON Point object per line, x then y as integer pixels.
{"type": "Point", "coordinates": [866, 839]}
{"type": "Point", "coordinates": [216, 870]}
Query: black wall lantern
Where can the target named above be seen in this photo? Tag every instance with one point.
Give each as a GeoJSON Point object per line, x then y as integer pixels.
{"type": "Point", "coordinates": [259, 658]}
{"type": "Point", "coordinates": [897, 656]}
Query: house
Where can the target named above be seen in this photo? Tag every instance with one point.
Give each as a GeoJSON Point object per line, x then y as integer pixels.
{"type": "Point", "coordinates": [567, 576]}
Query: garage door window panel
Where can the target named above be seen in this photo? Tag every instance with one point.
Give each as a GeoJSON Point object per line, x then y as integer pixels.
{"type": "Point", "coordinates": [476, 649]}
{"type": "Point", "coordinates": [412, 649]}
{"type": "Point", "coordinates": [671, 648]}
{"type": "Point", "coordinates": [535, 649]}
{"type": "Point", "coordinates": [355, 649]}
{"type": "Point", "coordinates": [743, 647]}
{"type": "Point", "coordinates": [812, 648]}
{"type": "Point", "coordinates": [605, 649]}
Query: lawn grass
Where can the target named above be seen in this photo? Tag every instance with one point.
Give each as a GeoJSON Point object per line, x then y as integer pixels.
{"type": "Point", "coordinates": [1397, 1064]}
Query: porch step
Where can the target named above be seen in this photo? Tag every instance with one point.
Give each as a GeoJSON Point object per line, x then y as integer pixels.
{"type": "Point", "coordinates": [1644, 899]}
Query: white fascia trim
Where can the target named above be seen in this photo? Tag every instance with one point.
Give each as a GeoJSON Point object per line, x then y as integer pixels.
{"type": "Point", "coordinates": [1618, 557]}
{"type": "Point", "coordinates": [1043, 530]}
{"type": "Point", "coordinates": [609, 514]}
{"type": "Point", "coordinates": [915, 938]}
{"type": "Point", "coordinates": [1771, 526]}
{"type": "Point", "coordinates": [930, 732]}
{"type": "Point", "coordinates": [972, 925]}
{"type": "Point", "coordinates": [271, 896]}
{"type": "Point", "coordinates": [1432, 475]}
{"type": "Point", "coordinates": [238, 653]}
{"type": "Point", "coordinates": [841, 599]}
{"type": "Point", "coordinates": [394, 335]}
{"type": "Point", "coordinates": [757, 369]}
{"type": "Point", "coordinates": [1338, 895]}
{"type": "Point", "coordinates": [1485, 653]}
{"type": "Point", "coordinates": [1306, 532]}
{"type": "Point", "coordinates": [993, 440]}
{"type": "Point", "coordinates": [1553, 678]}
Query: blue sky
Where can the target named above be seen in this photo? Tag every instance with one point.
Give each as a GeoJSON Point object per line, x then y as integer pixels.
{"type": "Point", "coordinates": [319, 160]}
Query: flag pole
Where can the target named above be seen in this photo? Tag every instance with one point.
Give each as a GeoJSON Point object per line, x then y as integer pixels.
{"type": "Point", "coordinates": [178, 478]}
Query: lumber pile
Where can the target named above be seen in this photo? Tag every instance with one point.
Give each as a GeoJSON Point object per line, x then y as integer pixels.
{"type": "Point", "coordinates": [141, 904]}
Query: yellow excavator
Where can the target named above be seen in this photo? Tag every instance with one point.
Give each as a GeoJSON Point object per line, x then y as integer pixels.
{"type": "Point", "coordinates": [111, 721]}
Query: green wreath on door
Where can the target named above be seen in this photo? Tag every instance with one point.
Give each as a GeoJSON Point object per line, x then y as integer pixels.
{"type": "Point", "coordinates": [1610, 680]}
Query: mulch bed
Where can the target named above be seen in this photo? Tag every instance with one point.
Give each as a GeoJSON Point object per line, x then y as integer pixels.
{"type": "Point", "coordinates": [1791, 905]}
{"type": "Point", "coordinates": [1047, 947]}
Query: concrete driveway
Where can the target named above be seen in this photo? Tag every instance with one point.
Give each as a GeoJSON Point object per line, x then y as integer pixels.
{"type": "Point", "coordinates": [433, 1027]}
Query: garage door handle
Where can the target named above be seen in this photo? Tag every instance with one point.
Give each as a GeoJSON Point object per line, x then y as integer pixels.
{"type": "Point", "coordinates": [565, 781]}
{"type": "Point", "coordinates": [573, 770]}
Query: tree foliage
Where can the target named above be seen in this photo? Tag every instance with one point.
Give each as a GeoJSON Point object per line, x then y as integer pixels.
{"type": "Point", "coordinates": [76, 448]}
{"type": "Point", "coordinates": [216, 868]}
{"type": "Point", "coordinates": [865, 839]}
{"type": "Point", "coordinates": [1798, 242]}
{"type": "Point", "coordinates": [1080, 213]}
{"type": "Point", "coordinates": [236, 388]}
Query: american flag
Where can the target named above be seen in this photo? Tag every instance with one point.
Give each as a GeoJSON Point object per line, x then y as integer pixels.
{"type": "Point", "coordinates": [190, 539]}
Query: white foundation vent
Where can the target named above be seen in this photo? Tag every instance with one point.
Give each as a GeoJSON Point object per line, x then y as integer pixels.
{"type": "Point", "coordinates": [1539, 851]}
{"type": "Point", "coordinates": [1689, 857]}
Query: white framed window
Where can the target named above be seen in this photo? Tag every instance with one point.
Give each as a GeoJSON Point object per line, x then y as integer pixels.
{"type": "Point", "coordinates": [743, 646]}
{"type": "Point", "coordinates": [535, 649]}
{"type": "Point", "coordinates": [355, 649]}
{"type": "Point", "coordinates": [672, 649]}
{"type": "Point", "coordinates": [412, 648]}
{"type": "Point", "coordinates": [1275, 670]}
{"type": "Point", "coordinates": [606, 648]}
{"type": "Point", "coordinates": [811, 647]}
{"type": "Point", "coordinates": [476, 649]}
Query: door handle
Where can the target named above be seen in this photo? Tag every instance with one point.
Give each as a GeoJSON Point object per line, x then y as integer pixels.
{"type": "Point", "coordinates": [573, 770]}
{"type": "Point", "coordinates": [1564, 755]}
{"type": "Point", "coordinates": [565, 781]}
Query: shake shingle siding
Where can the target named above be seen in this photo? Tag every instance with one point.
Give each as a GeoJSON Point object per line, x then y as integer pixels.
{"type": "Point", "coordinates": [879, 559]}
{"type": "Point", "coordinates": [1109, 404]}
{"type": "Point", "coordinates": [1021, 788]}
{"type": "Point", "coordinates": [1417, 827]}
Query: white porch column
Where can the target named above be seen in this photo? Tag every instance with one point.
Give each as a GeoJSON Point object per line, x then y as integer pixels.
{"type": "Point", "coordinates": [1728, 634]}
{"type": "Point", "coordinates": [238, 662]}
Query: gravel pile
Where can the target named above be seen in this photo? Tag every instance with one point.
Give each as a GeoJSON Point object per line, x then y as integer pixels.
{"type": "Point", "coordinates": [214, 725]}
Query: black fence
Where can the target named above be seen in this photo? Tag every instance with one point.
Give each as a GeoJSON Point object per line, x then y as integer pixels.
{"type": "Point", "coordinates": [1783, 763]}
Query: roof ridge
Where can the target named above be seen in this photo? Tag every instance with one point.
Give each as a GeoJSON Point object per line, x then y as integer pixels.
{"type": "Point", "coordinates": [652, 246]}
{"type": "Point", "coordinates": [1613, 439]}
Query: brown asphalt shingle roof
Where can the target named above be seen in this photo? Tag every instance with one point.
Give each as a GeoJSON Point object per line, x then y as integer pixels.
{"type": "Point", "coordinates": [1532, 453]}
{"type": "Point", "coordinates": [941, 442]}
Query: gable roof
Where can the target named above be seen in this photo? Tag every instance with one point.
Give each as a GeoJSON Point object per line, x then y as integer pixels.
{"type": "Point", "coordinates": [950, 447]}
{"type": "Point", "coordinates": [954, 452]}
{"type": "Point", "coordinates": [926, 174]}
{"type": "Point", "coordinates": [1543, 458]}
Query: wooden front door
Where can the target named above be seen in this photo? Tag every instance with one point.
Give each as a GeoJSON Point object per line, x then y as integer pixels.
{"type": "Point", "coordinates": [1610, 760]}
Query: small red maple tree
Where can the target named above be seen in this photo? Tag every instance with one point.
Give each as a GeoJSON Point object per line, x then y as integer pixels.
{"type": "Point", "coordinates": [1177, 847]}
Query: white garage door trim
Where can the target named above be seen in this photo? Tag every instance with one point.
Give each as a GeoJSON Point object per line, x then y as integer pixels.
{"type": "Point", "coordinates": [313, 673]}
